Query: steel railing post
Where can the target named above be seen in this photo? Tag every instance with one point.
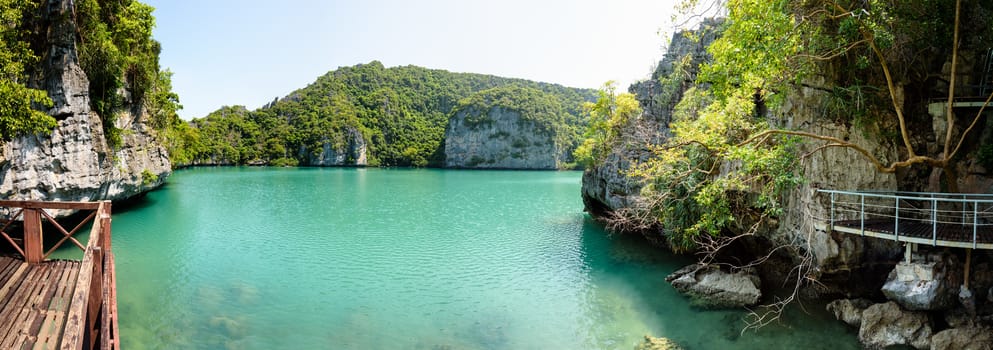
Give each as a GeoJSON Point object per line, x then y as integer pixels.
{"type": "Point", "coordinates": [963, 210]}
{"type": "Point", "coordinates": [975, 223]}
{"type": "Point", "coordinates": [934, 221]}
{"type": "Point", "coordinates": [896, 220]}
{"type": "Point", "coordinates": [831, 228]}
{"type": "Point", "coordinates": [862, 209]}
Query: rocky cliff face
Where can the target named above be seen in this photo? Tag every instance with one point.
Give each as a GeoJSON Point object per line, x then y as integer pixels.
{"type": "Point", "coordinates": [351, 153]}
{"type": "Point", "coordinates": [74, 162]}
{"type": "Point", "coordinates": [499, 138]}
{"type": "Point", "coordinates": [606, 187]}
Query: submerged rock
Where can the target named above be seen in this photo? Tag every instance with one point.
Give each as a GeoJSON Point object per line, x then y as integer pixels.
{"type": "Point", "coordinates": [713, 288]}
{"type": "Point", "coordinates": [653, 343]}
{"type": "Point", "coordinates": [963, 338]}
{"type": "Point", "coordinates": [887, 324]}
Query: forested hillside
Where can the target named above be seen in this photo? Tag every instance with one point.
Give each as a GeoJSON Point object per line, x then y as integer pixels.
{"type": "Point", "coordinates": [361, 115]}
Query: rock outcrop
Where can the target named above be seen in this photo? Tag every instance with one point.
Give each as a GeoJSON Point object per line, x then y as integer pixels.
{"type": "Point", "coordinates": [500, 138]}
{"type": "Point", "coordinates": [75, 162]}
{"type": "Point", "coordinates": [712, 288]}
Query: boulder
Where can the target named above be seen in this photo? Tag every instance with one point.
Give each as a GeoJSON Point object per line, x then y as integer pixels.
{"type": "Point", "coordinates": [963, 338]}
{"type": "Point", "coordinates": [923, 286]}
{"type": "Point", "coordinates": [849, 310]}
{"type": "Point", "coordinates": [886, 324]}
{"type": "Point", "coordinates": [653, 343]}
{"type": "Point", "coordinates": [712, 288]}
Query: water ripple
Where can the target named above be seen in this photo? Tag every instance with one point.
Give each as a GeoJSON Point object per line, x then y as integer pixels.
{"type": "Point", "coordinates": [381, 259]}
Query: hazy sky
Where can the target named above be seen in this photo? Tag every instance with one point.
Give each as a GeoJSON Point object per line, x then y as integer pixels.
{"type": "Point", "coordinates": [248, 52]}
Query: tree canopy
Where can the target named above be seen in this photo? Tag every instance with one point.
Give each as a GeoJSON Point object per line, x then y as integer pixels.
{"type": "Point", "coordinates": [19, 103]}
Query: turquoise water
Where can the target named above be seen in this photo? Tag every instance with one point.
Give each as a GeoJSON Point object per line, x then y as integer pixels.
{"type": "Point", "coordinates": [254, 258]}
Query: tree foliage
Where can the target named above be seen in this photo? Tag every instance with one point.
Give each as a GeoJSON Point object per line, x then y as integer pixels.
{"type": "Point", "coordinates": [19, 103]}
{"type": "Point", "coordinates": [606, 117]}
{"type": "Point", "coordinates": [116, 50]}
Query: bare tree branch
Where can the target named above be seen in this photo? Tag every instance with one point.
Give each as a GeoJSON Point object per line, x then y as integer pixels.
{"type": "Point", "coordinates": [950, 113]}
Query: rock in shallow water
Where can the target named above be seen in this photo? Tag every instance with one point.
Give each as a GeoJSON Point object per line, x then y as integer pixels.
{"type": "Point", "coordinates": [849, 310]}
{"type": "Point", "coordinates": [710, 287]}
{"type": "Point", "coordinates": [887, 324]}
{"type": "Point", "coordinates": [653, 343]}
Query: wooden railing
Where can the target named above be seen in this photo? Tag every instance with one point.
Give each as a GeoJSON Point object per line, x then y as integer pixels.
{"type": "Point", "coordinates": [92, 317]}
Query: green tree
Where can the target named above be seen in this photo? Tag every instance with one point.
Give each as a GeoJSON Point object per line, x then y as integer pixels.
{"type": "Point", "coordinates": [116, 50]}
{"type": "Point", "coordinates": [18, 102]}
{"type": "Point", "coordinates": [606, 117]}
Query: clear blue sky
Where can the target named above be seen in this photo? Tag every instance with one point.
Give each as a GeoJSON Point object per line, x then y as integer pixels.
{"type": "Point", "coordinates": [227, 52]}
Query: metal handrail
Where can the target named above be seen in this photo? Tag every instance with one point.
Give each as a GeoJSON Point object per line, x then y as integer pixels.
{"type": "Point", "coordinates": [877, 194]}
{"type": "Point", "coordinates": [933, 216]}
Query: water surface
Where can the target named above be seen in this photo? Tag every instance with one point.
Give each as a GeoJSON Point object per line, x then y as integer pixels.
{"type": "Point", "coordinates": [256, 258]}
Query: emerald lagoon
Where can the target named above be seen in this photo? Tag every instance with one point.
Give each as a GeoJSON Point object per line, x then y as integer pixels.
{"type": "Point", "coordinates": [343, 258]}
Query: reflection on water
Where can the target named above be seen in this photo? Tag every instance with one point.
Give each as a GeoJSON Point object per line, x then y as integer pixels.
{"type": "Point", "coordinates": [248, 258]}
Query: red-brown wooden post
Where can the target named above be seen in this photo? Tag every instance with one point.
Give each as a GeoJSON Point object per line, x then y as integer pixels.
{"type": "Point", "coordinates": [105, 217]}
{"type": "Point", "coordinates": [34, 250]}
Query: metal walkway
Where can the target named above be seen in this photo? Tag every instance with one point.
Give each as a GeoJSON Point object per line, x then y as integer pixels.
{"type": "Point", "coordinates": [936, 219]}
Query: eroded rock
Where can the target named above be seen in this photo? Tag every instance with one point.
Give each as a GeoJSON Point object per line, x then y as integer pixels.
{"type": "Point", "coordinates": [712, 288]}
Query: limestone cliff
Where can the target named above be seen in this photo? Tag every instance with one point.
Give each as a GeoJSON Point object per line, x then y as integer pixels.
{"type": "Point", "coordinates": [506, 141]}
{"type": "Point", "coordinates": [508, 128]}
{"type": "Point", "coordinates": [74, 162]}
{"type": "Point", "coordinates": [351, 152]}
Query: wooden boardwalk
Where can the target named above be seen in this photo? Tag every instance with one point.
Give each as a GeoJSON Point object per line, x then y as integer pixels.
{"type": "Point", "coordinates": [34, 302]}
{"type": "Point", "coordinates": [57, 304]}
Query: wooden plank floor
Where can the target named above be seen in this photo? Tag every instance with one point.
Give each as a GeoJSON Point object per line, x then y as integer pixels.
{"type": "Point", "coordinates": [34, 302]}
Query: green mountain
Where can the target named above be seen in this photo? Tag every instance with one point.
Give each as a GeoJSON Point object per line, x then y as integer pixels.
{"type": "Point", "coordinates": [366, 115]}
